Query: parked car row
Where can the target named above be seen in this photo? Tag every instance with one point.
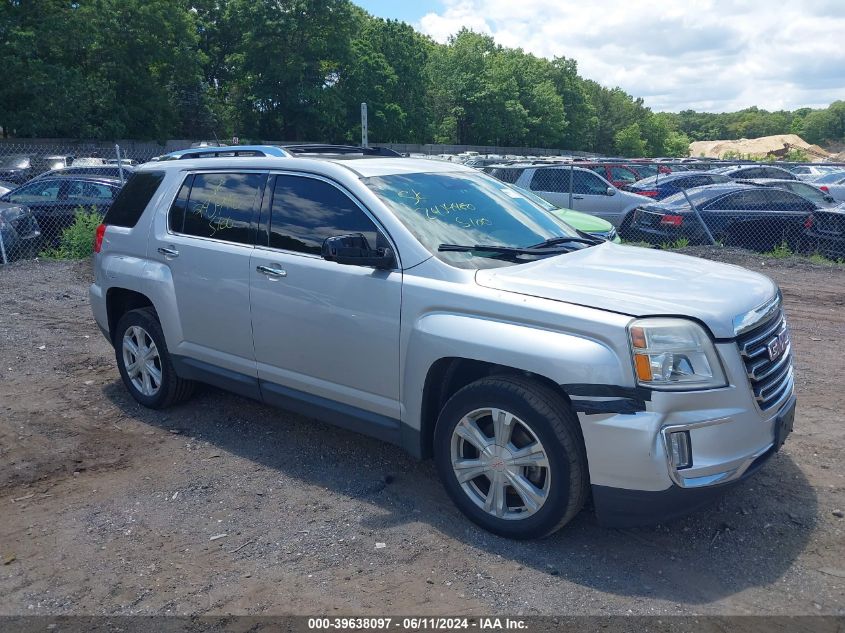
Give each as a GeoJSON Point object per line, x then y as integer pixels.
{"type": "Point", "coordinates": [34, 216]}
{"type": "Point", "coordinates": [758, 207]}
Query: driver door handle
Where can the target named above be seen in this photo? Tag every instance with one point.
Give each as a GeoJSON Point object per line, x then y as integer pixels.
{"type": "Point", "coordinates": [168, 252]}
{"type": "Point", "coordinates": [272, 271]}
{"type": "Point", "coordinates": [577, 197]}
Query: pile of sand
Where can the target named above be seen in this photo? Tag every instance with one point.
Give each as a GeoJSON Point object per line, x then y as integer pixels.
{"type": "Point", "coordinates": [755, 147]}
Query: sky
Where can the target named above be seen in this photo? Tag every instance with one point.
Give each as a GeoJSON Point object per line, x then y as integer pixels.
{"type": "Point", "coordinates": [705, 55]}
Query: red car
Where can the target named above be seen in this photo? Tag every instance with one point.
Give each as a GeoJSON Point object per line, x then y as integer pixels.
{"type": "Point", "coordinates": [622, 174]}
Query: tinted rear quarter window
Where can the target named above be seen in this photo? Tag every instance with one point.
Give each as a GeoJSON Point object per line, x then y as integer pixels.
{"type": "Point", "coordinates": [133, 198]}
{"type": "Point", "coordinates": [551, 180]}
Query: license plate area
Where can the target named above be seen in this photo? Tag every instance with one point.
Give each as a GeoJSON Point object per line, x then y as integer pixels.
{"type": "Point", "coordinates": [784, 423]}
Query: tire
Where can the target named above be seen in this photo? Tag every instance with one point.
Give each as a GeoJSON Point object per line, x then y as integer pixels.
{"type": "Point", "coordinates": [158, 389]}
{"type": "Point", "coordinates": [537, 414]}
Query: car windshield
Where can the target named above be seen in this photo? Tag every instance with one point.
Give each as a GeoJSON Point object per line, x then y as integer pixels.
{"type": "Point", "coordinates": [540, 202]}
{"type": "Point", "coordinates": [466, 209]}
{"type": "Point", "coordinates": [830, 178]}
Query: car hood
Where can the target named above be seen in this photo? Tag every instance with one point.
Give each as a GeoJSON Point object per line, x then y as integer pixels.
{"type": "Point", "coordinates": [640, 282]}
{"type": "Point", "coordinates": [583, 221]}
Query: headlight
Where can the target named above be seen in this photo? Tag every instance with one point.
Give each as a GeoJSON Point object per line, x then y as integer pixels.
{"type": "Point", "coordinates": [674, 354]}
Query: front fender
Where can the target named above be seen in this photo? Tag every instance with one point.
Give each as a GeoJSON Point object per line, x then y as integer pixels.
{"type": "Point", "coordinates": [563, 357]}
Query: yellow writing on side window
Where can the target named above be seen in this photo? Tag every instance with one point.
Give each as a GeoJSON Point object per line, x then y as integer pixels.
{"type": "Point", "coordinates": [212, 209]}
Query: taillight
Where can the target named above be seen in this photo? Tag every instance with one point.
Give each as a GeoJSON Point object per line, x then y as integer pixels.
{"type": "Point", "coordinates": [824, 188]}
{"type": "Point", "coordinates": [672, 220]}
{"type": "Point", "coordinates": [808, 222]}
{"type": "Point", "coordinates": [98, 238]}
{"type": "Point", "coordinates": [649, 193]}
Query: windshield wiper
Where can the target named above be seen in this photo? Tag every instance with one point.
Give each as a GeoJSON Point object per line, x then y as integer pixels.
{"type": "Point", "coordinates": [499, 250]}
{"type": "Point", "coordinates": [556, 241]}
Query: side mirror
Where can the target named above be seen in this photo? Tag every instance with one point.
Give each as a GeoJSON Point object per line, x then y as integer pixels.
{"type": "Point", "coordinates": [611, 191]}
{"type": "Point", "coordinates": [354, 250]}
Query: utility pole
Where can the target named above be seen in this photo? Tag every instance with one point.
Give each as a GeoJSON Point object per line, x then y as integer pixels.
{"type": "Point", "coordinates": [364, 139]}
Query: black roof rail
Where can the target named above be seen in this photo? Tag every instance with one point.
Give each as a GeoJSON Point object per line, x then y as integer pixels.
{"type": "Point", "coordinates": [339, 149]}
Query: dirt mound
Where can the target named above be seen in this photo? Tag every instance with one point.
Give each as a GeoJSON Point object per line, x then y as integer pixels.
{"type": "Point", "coordinates": [755, 147]}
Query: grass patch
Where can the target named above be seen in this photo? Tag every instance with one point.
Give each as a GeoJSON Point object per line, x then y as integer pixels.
{"type": "Point", "coordinates": [781, 251]}
{"type": "Point", "coordinates": [77, 240]}
{"type": "Point", "coordinates": [818, 258]}
{"type": "Point", "coordinates": [681, 242]}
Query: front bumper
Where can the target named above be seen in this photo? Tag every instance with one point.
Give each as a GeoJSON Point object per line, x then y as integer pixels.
{"type": "Point", "coordinates": [632, 474]}
{"type": "Point", "coordinates": [621, 508]}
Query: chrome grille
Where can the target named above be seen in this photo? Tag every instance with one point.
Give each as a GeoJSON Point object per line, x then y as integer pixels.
{"type": "Point", "coordinates": [770, 380]}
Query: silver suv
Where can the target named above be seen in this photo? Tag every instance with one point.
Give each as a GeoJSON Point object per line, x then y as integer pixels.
{"type": "Point", "coordinates": [433, 307]}
{"type": "Point", "coordinates": [572, 187]}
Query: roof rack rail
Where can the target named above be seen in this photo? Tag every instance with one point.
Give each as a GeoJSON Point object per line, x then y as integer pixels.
{"type": "Point", "coordinates": [339, 149]}
{"type": "Point", "coordinates": [226, 151]}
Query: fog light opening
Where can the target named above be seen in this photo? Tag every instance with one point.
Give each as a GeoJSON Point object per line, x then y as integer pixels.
{"type": "Point", "coordinates": [680, 450]}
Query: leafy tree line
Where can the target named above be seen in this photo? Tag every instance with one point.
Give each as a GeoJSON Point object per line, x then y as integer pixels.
{"type": "Point", "coordinates": [299, 69]}
{"type": "Point", "coordinates": [819, 126]}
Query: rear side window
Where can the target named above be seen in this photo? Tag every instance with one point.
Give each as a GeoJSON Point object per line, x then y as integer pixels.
{"type": "Point", "coordinates": [218, 205]}
{"type": "Point", "coordinates": [306, 211]}
{"type": "Point", "coordinates": [136, 194]}
{"type": "Point", "coordinates": [551, 180]}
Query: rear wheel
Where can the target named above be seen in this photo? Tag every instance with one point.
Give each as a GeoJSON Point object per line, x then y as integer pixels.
{"type": "Point", "coordinates": [144, 362]}
{"type": "Point", "coordinates": [510, 456]}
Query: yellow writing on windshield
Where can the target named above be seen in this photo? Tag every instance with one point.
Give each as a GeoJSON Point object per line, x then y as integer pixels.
{"type": "Point", "coordinates": [447, 208]}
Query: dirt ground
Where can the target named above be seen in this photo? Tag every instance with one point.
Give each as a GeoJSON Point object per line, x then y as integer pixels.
{"type": "Point", "coordinates": [223, 505]}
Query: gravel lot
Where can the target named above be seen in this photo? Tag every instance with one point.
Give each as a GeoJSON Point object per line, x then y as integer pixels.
{"type": "Point", "coordinates": [223, 505]}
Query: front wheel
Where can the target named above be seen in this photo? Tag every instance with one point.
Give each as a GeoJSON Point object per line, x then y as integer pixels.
{"type": "Point", "coordinates": [509, 454]}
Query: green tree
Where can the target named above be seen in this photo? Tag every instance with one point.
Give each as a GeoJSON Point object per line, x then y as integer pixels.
{"type": "Point", "coordinates": [387, 70]}
{"type": "Point", "coordinates": [580, 113]}
{"type": "Point", "coordinates": [285, 66]}
{"type": "Point", "coordinates": [44, 88]}
{"type": "Point", "coordinates": [629, 141]}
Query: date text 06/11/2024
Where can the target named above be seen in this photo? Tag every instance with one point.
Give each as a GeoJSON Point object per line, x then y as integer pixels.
{"type": "Point", "coordinates": [417, 624]}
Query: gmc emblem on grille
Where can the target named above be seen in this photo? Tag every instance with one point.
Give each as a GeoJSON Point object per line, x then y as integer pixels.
{"type": "Point", "coordinates": [777, 346]}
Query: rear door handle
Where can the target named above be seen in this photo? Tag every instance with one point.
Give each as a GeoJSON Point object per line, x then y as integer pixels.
{"type": "Point", "coordinates": [272, 271]}
{"type": "Point", "coordinates": [577, 197]}
{"type": "Point", "coordinates": [168, 252]}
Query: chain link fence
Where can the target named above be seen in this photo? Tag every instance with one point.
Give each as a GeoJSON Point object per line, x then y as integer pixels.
{"type": "Point", "coordinates": [53, 195]}
{"type": "Point", "coordinates": [759, 207]}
